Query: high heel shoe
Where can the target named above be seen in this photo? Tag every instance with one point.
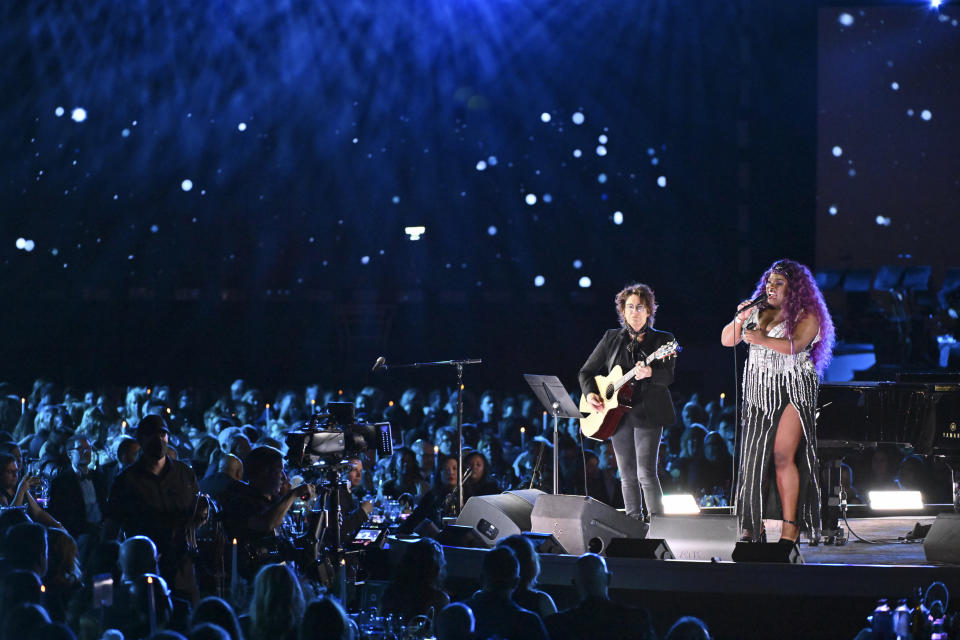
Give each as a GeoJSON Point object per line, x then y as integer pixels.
{"type": "Point", "coordinates": [749, 538]}
{"type": "Point", "coordinates": [788, 541]}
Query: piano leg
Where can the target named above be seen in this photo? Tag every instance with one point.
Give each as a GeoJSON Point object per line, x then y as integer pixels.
{"type": "Point", "coordinates": [833, 501]}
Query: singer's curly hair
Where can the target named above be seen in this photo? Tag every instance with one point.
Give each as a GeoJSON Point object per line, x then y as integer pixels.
{"type": "Point", "coordinates": [803, 296]}
{"type": "Point", "coordinates": [646, 297]}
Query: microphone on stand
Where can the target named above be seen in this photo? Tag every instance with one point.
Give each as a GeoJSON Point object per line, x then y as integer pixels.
{"type": "Point", "coordinates": [381, 363]}
{"type": "Point", "coordinates": [466, 475]}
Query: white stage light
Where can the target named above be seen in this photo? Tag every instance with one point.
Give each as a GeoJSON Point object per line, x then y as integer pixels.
{"type": "Point", "coordinates": [680, 503]}
{"type": "Point", "coordinates": [414, 232]}
{"type": "Point", "coordinates": [895, 500]}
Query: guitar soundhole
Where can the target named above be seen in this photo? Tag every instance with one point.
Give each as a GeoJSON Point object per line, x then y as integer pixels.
{"type": "Point", "coordinates": [609, 392]}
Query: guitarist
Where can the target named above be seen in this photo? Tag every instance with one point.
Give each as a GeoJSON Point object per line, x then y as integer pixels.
{"type": "Point", "coordinates": [636, 442]}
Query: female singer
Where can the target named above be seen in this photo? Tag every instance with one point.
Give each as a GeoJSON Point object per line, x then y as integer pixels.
{"type": "Point", "coordinates": [636, 442]}
{"type": "Point", "coordinates": [791, 340]}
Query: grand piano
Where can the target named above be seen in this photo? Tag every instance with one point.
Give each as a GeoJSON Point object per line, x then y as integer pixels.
{"type": "Point", "coordinates": [918, 410]}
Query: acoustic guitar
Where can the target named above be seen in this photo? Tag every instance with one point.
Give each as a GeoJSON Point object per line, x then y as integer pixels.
{"type": "Point", "coordinates": [617, 396]}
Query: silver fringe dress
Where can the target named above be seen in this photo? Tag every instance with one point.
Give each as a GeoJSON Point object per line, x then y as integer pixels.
{"type": "Point", "coordinates": [771, 381]}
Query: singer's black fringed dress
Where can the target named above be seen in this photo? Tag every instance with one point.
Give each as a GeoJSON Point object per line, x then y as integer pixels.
{"type": "Point", "coordinates": [771, 381]}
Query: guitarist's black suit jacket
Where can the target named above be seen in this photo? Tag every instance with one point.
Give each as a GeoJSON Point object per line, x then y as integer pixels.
{"type": "Point", "coordinates": [651, 397]}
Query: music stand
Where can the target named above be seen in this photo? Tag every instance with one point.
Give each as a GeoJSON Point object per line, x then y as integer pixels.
{"type": "Point", "coordinates": [555, 399]}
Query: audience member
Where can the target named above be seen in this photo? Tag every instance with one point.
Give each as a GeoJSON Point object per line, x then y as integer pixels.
{"type": "Point", "coordinates": [455, 622]}
{"type": "Point", "coordinates": [495, 611]}
{"type": "Point", "coordinates": [525, 594]}
{"type": "Point", "coordinates": [325, 619]}
{"type": "Point", "coordinates": [276, 608]}
{"type": "Point", "coordinates": [596, 616]}
{"type": "Point", "coordinates": [688, 628]}
{"type": "Point", "coordinates": [417, 586]}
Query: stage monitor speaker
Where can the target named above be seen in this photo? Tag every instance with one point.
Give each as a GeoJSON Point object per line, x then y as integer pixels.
{"type": "Point", "coordinates": [767, 552]}
{"type": "Point", "coordinates": [498, 516]}
{"type": "Point", "coordinates": [544, 542]}
{"type": "Point", "coordinates": [456, 535]}
{"type": "Point", "coordinates": [582, 524]}
{"type": "Point", "coordinates": [647, 548]}
{"type": "Point", "coordinates": [942, 543]}
{"type": "Point", "coordinates": [697, 537]}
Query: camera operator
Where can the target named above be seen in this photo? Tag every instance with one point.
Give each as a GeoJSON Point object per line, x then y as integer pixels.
{"type": "Point", "coordinates": [252, 510]}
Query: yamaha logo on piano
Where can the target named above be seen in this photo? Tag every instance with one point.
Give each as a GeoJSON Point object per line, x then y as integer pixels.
{"type": "Point", "coordinates": [952, 434]}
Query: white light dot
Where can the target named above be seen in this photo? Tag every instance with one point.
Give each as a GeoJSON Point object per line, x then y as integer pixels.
{"type": "Point", "coordinates": [130, 257]}
{"type": "Point", "coordinates": [662, 181]}
{"type": "Point", "coordinates": [365, 260]}
{"type": "Point", "coordinates": [396, 199]}
{"type": "Point", "coordinates": [242, 126]}
{"type": "Point", "coordinates": [925, 114]}
{"type": "Point", "coordinates": [491, 230]}
{"type": "Point", "coordinates": [618, 217]}
{"type": "Point", "coordinates": [833, 209]}
{"type": "Point", "coordinates": [125, 133]}
{"type": "Point", "coordinates": [492, 161]}
{"type": "Point", "coordinates": [602, 139]}
{"type": "Point", "coordinates": [481, 165]}
{"type": "Point", "coordinates": [547, 198]}
{"type": "Point", "coordinates": [59, 111]}
{"type": "Point", "coordinates": [531, 199]}
{"type": "Point", "coordinates": [602, 178]}
{"type": "Point", "coordinates": [845, 19]}
{"type": "Point", "coordinates": [356, 140]}
{"type": "Point", "coordinates": [154, 228]}
{"type": "Point", "coordinates": [585, 282]}
{"type": "Point", "coordinates": [29, 245]}
{"type": "Point", "coordinates": [54, 251]}
{"type": "Point", "coordinates": [21, 243]}
{"type": "Point", "coordinates": [601, 150]}
{"type": "Point", "coordinates": [545, 117]}
{"type": "Point", "coordinates": [79, 114]}
{"type": "Point", "coordinates": [895, 86]}
{"type": "Point", "coordinates": [186, 185]}
{"type": "Point", "coordinates": [539, 281]}
{"type": "Point", "coordinates": [578, 263]}
{"type": "Point", "coordinates": [883, 221]}
{"type": "Point", "coordinates": [910, 112]}
{"type": "Point", "coordinates": [577, 153]}
{"type": "Point", "coordinates": [577, 118]}
{"type": "Point", "coordinates": [837, 152]}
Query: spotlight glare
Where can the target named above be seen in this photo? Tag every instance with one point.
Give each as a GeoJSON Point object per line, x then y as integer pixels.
{"type": "Point", "coordinates": [365, 260]}
{"type": "Point", "coordinates": [577, 118]}
{"type": "Point", "coordinates": [845, 19]}
{"type": "Point", "coordinates": [531, 199]}
{"type": "Point", "coordinates": [679, 504]}
{"type": "Point", "coordinates": [935, 4]}
{"type": "Point", "coordinates": [577, 153]}
{"type": "Point", "coordinates": [662, 181]}
{"type": "Point", "coordinates": [413, 232]}
{"type": "Point", "coordinates": [491, 230]}
{"type": "Point", "coordinates": [883, 221]}
{"type": "Point", "coordinates": [601, 150]}
{"type": "Point", "coordinates": [618, 217]}
{"type": "Point", "coordinates": [837, 152]}
{"type": "Point", "coordinates": [545, 117]}
{"type": "Point", "coordinates": [21, 243]}
{"type": "Point", "coordinates": [602, 139]}
{"type": "Point", "coordinates": [242, 126]}
{"type": "Point", "coordinates": [585, 282]}
{"type": "Point", "coordinates": [602, 178]}
{"type": "Point", "coordinates": [492, 161]}
{"type": "Point", "coordinates": [79, 114]}
{"type": "Point", "coordinates": [547, 198]}
{"type": "Point", "coordinates": [577, 264]}
{"type": "Point", "coordinates": [539, 281]}
{"type": "Point", "coordinates": [926, 115]}
{"type": "Point", "coordinates": [186, 185]}
{"type": "Point", "coordinates": [895, 500]}
{"type": "Point", "coordinates": [833, 209]}
{"type": "Point", "coordinates": [59, 111]}
{"type": "Point", "coordinates": [481, 165]}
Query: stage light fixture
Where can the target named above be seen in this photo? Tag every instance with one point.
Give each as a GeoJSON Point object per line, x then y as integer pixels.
{"type": "Point", "coordinates": [895, 500]}
{"type": "Point", "coordinates": [680, 504]}
{"type": "Point", "coordinates": [415, 232]}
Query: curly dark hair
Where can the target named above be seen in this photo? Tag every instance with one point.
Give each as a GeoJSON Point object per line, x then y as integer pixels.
{"type": "Point", "coordinates": [803, 296]}
{"type": "Point", "coordinates": [646, 298]}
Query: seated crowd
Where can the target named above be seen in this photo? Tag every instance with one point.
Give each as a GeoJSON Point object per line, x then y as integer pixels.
{"type": "Point", "coordinates": [120, 515]}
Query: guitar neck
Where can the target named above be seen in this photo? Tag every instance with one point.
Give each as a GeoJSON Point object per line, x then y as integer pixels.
{"type": "Point", "coordinates": [630, 375]}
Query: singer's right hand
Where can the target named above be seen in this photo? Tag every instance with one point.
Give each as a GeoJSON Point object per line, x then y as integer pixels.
{"type": "Point", "coordinates": [595, 401]}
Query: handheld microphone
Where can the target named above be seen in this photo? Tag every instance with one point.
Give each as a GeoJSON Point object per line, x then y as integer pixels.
{"type": "Point", "coordinates": [760, 299]}
{"type": "Point", "coordinates": [381, 363]}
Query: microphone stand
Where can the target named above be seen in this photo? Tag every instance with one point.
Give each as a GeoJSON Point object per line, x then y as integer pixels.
{"type": "Point", "coordinates": [459, 365]}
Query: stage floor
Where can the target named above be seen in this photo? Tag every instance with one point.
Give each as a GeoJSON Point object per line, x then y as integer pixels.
{"type": "Point", "coordinates": [829, 595]}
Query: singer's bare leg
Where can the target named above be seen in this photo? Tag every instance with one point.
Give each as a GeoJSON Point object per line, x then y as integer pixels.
{"type": "Point", "coordinates": [789, 433]}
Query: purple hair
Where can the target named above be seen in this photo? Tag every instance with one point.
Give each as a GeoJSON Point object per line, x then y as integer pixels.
{"type": "Point", "coordinates": [803, 296]}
